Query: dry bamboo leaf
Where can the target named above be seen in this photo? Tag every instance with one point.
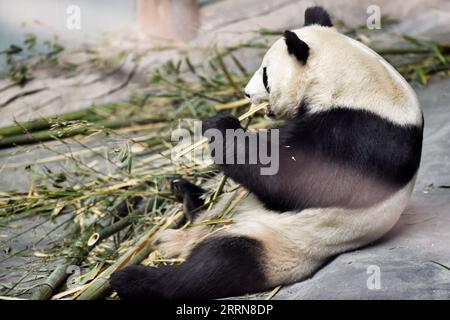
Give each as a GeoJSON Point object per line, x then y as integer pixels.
{"type": "Point", "coordinates": [58, 208]}
{"type": "Point", "coordinates": [13, 226]}
{"type": "Point", "coordinates": [10, 298]}
{"type": "Point", "coordinates": [67, 292]}
{"type": "Point", "coordinates": [232, 105]}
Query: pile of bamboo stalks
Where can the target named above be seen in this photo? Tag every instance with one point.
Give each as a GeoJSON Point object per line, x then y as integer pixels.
{"type": "Point", "coordinates": [115, 217]}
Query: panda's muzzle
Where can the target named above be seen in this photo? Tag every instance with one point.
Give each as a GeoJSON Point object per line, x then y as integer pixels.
{"type": "Point", "coordinates": [270, 114]}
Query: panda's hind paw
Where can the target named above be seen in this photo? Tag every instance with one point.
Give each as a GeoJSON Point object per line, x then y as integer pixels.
{"type": "Point", "coordinates": [136, 282]}
{"type": "Point", "coordinates": [179, 187]}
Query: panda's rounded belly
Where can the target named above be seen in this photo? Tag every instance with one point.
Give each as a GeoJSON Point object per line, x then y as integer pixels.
{"type": "Point", "coordinates": [302, 241]}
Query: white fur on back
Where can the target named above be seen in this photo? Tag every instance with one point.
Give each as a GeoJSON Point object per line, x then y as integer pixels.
{"type": "Point", "coordinates": [344, 72]}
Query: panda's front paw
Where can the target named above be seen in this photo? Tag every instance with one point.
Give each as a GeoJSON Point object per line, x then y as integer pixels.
{"type": "Point", "coordinates": [220, 122]}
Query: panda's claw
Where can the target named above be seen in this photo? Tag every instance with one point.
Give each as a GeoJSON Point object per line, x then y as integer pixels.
{"type": "Point", "coordinates": [188, 193]}
{"type": "Point", "coordinates": [176, 187]}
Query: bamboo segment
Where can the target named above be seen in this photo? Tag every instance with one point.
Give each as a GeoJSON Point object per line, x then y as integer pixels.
{"type": "Point", "coordinates": [45, 135]}
{"type": "Point", "coordinates": [232, 105]}
{"type": "Point", "coordinates": [88, 114]}
{"type": "Point", "coordinates": [112, 229]}
{"type": "Point", "coordinates": [45, 123]}
{"type": "Point", "coordinates": [253, 110]}
{"type": "Point", "coordinates": [98, 287]}
{"type": "Point", "coordinates": [78, 253]}
{"type": "Point", "coordinates": [46, 289]}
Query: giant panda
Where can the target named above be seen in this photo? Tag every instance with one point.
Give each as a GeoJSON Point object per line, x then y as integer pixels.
{"type": "Point", "coordinates": [349, 152]}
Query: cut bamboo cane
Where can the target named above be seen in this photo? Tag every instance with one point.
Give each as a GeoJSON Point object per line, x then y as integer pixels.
{"type": "Point", "coordinates": [46, 289]}
{"type": "Point", "coordinates": [45, 135]}
{"type": "Point", "coordinates": [194, 146]}
{"type": "Point", "coordinates": [88, 114]}
{"type": "Point", "coordinates": [112, 229]}
{"type": "Point", "coordinates": [232, 105]}
{"type": "Point", "coordinates": [100, 285]}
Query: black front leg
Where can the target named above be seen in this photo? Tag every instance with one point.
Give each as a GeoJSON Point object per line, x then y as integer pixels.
{"type": "Point", "coordinates": [189, 194]}
{"type": "Point", "coordinates": [239, 156]}
{"type": "Point", "coordinates": [220, 122]}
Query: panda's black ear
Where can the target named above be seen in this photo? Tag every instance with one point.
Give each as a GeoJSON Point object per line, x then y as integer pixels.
{"type": "Point", "coordinates": [296, 46]}
{"type": "Point", "coordinates": [317, 15]}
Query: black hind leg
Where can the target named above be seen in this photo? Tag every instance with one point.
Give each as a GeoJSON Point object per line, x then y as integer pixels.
{"type": "Point", "coordinates": [189, 194]}
{"type": "Point", "coordinates": [218, 267]}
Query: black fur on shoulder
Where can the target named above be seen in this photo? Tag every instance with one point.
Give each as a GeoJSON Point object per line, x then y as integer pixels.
{"type": "Point", "coordinates": [342, 157]}
{"type": "Point", "coordinates": [296, 46]}
{"type": "Point", "coordinates": [218, 267]}
{"type": "Point", "coordinates": [317, 15]}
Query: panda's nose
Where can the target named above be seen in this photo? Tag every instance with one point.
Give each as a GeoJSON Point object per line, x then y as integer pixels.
{"type": "Point", "coordinates": [246, 94]}
{"type": "Point", "coordinates": [270, 113]}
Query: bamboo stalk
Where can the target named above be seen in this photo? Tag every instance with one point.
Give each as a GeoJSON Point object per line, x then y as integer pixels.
{"type": "Point", "coordinates": [45, 290]}
{"type": "Point", "coordinates": [45, 135]}
{"type": "Point", "coordinates": [79, 251]}
{"type": "Point", "coordinates": [225, 70]}
{"type": "Point", "coordinates": [106, 232]}
{"type": "Point", "coordinates": [26, 213]}
{"type": "Point", "coordinates": [88, 114]}
{"type": "Point", "coordinates": [100, 285]}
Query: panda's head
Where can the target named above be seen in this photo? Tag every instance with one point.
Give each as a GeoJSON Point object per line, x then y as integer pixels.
{"type": "Point", "coordinates": [283, 74]}
{"type": "Point", "coordinates": [324, 68]}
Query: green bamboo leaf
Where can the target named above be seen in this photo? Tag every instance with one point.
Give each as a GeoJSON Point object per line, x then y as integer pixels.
{"type": "Point", "coordinates": [239, 65]}
{"type": "Point", "coordinates": [13, 49]}
{"type": "Point", "coordinates": [190, 65]}
{"type": "Point", "coordinates": [30, 41]}
{"type": "Point", "coordinates": [413, 40]}
{"type": "Point", "coordinates": [178, 66]}
{"type": "Point", "coordinates": [129, 164]}
{"type": "Point", "coordinates": [438, 54]}
{"type": "Point", "coordinates": [421, 76]}
{"type": "Point", "coordinates": [270, 32]}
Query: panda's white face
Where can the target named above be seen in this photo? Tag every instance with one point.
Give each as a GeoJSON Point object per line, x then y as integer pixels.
{"type": "Point", "coordinates": [279, 81]}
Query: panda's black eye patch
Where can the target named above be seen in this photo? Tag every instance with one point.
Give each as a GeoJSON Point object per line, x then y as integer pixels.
{"type": "Point", "coordinates": [265, 81]}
